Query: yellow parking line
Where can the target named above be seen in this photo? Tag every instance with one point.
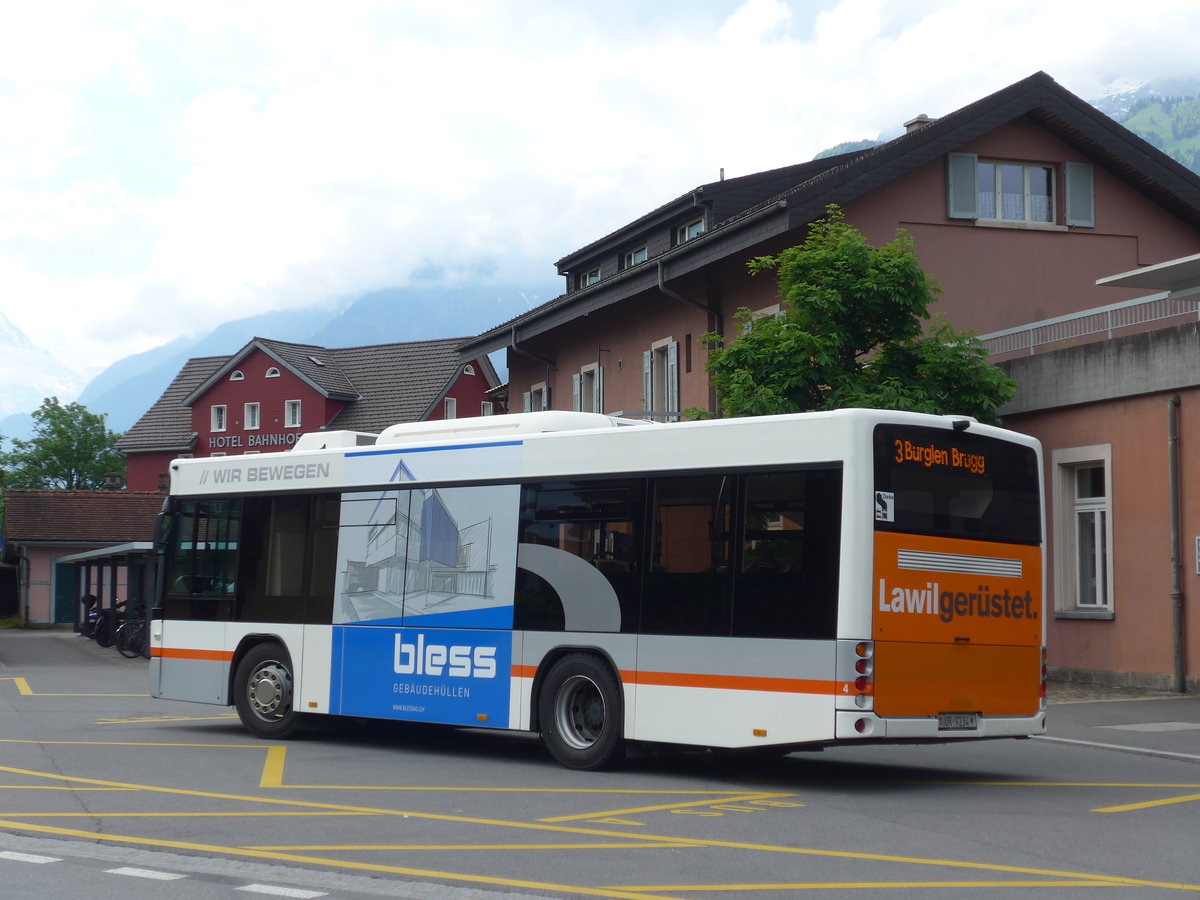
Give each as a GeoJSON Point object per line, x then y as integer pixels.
{"type": "Point", "coordinates": [744, 798]}
{"type": "Point", "coordinates": [330, 863]}
{"type": "Point", "coordinates": [866, 885]}
{"type": "Point", "coordinates": [25, 691]}
{"type": "Point", "coordinates": [458, 848]}
{"type": "Point", "coordinates": [528, 826]}
{"type": "Point", "coordinates": [1149, 804]}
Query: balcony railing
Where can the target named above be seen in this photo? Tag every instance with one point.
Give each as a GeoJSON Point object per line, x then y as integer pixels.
{"type": "Point", "coordinates": [1099, 320]}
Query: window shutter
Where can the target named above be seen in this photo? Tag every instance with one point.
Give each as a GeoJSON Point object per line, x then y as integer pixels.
{"type": "Point", "coordinates": [577, 391]}
{"type": "Point", "coordinates": [1081, 197]}
{"type": "Point", "coordinates": [598, 390]}
{"type": "Point", "coordinates": [545, 397]}
{"type": "Point", "coordinates": [962, 194]}
{"type": "Point", "coordinates": [648, 381]}
{"type": "Point", "coordinates": [527, 401]}
{"type": "Point", "coordinates": [673, 378]}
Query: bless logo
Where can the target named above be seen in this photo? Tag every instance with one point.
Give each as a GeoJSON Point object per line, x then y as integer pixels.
{"type": "Point", "coordinates": [455, 661]}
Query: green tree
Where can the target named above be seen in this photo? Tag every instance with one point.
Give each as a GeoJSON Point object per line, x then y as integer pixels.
{"type": "Point", "coordinates": [71, 449]}
{"type": "Point", "coordinates": [853, 331]}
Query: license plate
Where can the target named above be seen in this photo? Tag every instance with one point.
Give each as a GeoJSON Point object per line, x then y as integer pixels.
{"type": "Point", "coordinates": [958, 721]}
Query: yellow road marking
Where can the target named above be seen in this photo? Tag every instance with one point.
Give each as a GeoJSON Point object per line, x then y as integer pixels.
{"type": "Point", "coordinates": [742, 798]}
{"type": "Point", "coordinates": [328, 863]}
{"type": "Point", "coordinates": [613, 820]}
{"type": "Point", "coordinates": [1149, 804]}
{"type": "Point", "coordinates": [1109, 880]}
{"type": "Point", "coordinates": [362, 848]}
{"type": "Point", "coordinates": [177, 815]}
{"type": "Point", "coordinates": [25, 691]}
{"type": "Point", "coordinates": [866, 885]}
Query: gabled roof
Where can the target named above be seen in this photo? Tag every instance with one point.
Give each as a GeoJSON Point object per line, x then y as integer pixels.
{"type": "Point", "coordinates": [80, 516]}
{"type": "Point", "coordinates": [316, 366]}
{"type": "Point", "coordinates": [400, 382]}
{"type": "Point", "coordinates": [383, 384]}
{"type": "Point", "coordinates": [167, 425]}
{"type": "Point", "coordinates": [743, 217]}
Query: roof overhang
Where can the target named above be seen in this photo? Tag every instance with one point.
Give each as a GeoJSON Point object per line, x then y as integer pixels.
{"type": "Point", "coordinates": [1181, 277]}
{"type": "Point", "coordinates": [131, 550]}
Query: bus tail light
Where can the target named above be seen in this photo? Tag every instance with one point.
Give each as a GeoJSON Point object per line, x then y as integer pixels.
{"type": "Point", "coordinates": [864, 667]}
{"type": "Point", "coordinates": [1045, 674]}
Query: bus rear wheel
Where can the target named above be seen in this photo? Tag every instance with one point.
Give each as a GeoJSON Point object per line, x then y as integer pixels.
{"type": "Point", "coordinates": [580, 713]}
{"type": "Point", "coordinates": [262, 692]}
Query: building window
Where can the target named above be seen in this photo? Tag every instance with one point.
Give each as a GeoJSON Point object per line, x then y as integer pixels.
{"type": "Point", "coordinates": [485, 407]}
{"type": "Point", "coordinates": [449, 408]}
{"type": "Point", "coordinates": [291, 414]}
{"type": "Point", "coordinates": [1019, 193]}
{"type": "Point", "coordinates": [219, 419]}
{"type": "Point", "coordinates": [536, 398]}
{"type": "Point", "coordinates": [218, 453]}
{"type": "Point", "coordinates": [272, 372]}
{"type": "Point", "coordinates": [587, 389]}
{"type": "Point", "coordinates": [237, 375]}
{"type": "Point", "coordinates": [660, 381]}
{"type": "Point", "coordinates": [250, 420]}
{"type": "Point", "coordinates": [590, 277]}
{"type": "Point", "coordinates": [468, 369]}
{"type": "Point", "coordinates": [1015, 192]}
{"type": "Point", "coordinates": [1083, 567]}
{"type": "Point", "coordinates": [688, 231]}
{"type": "Point", "coordinates": [632, 258]}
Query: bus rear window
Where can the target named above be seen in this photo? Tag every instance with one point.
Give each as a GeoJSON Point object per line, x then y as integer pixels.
{"type": "Point", "coordinates": [956, 484]}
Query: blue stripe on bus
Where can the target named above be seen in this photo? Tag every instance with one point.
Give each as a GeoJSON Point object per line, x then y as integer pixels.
{"type": "Point", "coordinates": [433, 449]}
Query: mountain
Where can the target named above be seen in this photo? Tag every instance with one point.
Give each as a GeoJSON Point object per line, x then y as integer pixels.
{"type": "Point", "coordinates": [28, 375]}
{"type": "Point", "coordinates": [126, 389]}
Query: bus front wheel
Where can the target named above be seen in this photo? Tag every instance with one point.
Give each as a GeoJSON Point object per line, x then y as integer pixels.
{"type": "Point", "coordinates": [263, 692]}
{"type": "Point", "coordinates": [580, 713]}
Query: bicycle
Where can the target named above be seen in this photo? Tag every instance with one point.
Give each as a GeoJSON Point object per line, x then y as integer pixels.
{"type": "Point", "coordinates": [130, 638]}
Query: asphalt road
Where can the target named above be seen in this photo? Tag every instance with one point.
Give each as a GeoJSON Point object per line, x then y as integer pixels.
{"type": "Point", "coordinates": [107, 792]}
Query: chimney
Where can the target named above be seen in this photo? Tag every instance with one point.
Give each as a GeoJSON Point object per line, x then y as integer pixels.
{"type": "Point", "coordinates": [917, 123]}
{"type": "Point", "coordinates": [112, 481]}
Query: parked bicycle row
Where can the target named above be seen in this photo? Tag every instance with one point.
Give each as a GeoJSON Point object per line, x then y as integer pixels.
{"type": "Point", "coordinates": [117, 626]}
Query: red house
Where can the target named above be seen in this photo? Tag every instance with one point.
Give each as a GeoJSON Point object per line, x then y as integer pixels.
{"type": "Point", "coordinates": [262, 398]}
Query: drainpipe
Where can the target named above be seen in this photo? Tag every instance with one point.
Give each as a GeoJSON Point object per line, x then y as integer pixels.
{"type": "Point", "coordinates": [714, 317]}
{"type": "Point", "coordinates": [1180, 681]}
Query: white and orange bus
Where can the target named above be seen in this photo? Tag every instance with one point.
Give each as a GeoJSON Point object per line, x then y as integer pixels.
{"type": "Point", "coordinates": [770, 582]}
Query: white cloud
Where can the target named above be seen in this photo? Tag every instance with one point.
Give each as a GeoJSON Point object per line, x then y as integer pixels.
{"type": "Point", "coordinates": [167, 167]}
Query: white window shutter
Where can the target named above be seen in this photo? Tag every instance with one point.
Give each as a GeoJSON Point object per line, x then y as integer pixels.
{"type": "Point", "coordinates": [577, 391]}
{"type": "Point", "coordinates": [673, 378]}
{"type": "Point", "coordinates": [1081, 196]}
{"type": "Point", "coordinates": [962, 193]}
{"type": "Point", "coordinates": [527, 401]}
{"type": "Point", "coordinates": [598, 390]}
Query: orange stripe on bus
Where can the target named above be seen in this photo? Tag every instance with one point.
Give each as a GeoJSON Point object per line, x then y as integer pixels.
{"type": "Point", "coordinates": [208, 655]}
{"type": "Point", "coordinates": [719, 682]}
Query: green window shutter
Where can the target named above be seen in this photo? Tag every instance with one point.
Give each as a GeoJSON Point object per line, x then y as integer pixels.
{"type": "Point", "coordinates": [1081, 195]}
{"type": "Point", "coordinates": [962, 194]}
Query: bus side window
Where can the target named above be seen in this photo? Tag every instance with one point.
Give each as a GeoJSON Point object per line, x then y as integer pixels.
{"type": "Point", "coordinates": [788, 571]}
{"type": "Point", "coordinates": [688, 584]}
{"type": "Point", "coordinates": [597, 521]}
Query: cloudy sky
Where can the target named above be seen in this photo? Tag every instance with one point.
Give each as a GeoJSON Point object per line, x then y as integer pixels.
{"type": "Point", "coordinates": [166, 166]}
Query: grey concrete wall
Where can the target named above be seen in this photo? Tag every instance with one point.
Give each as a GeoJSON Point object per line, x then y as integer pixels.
{"type": "Point", "coordinates": [1163, 360]}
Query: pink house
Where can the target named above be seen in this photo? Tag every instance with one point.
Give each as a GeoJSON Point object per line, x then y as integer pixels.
{"type": "Point", "coordinates": [1019, 204]}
